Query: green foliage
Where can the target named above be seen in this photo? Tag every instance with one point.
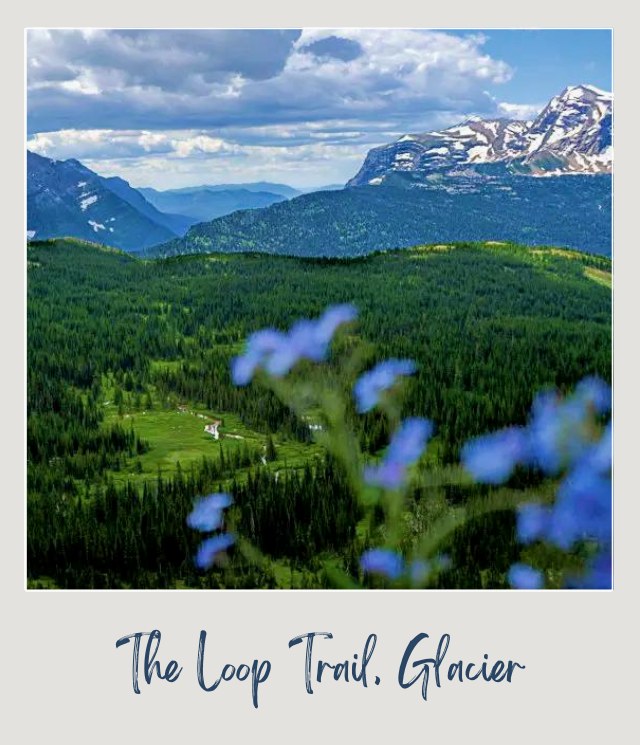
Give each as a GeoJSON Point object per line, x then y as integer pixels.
{"type": "Point", "coordinates": [467, 206]}
{"type": "Point", "coordinates": [488, 325]}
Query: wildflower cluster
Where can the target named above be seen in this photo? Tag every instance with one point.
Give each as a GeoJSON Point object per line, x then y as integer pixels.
{"type": "Point", "coordinates": [391, 474]}
{"type": "Point", "coordinates": [372, 384]}
{"type": "Point", "coordinates": [207, 517]}
{"type": "Point", "coordinates": [406, 447]}
{"type": "Point", "coordinates": [278, 352]}
{"type": "Point", "coordinates": [391, 564]}
{"type": "Point", "coordinates": [562, 437]}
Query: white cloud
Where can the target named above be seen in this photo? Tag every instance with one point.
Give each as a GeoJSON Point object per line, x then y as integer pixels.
{"type": "Point", "coordinates": [184, 158]}
{"type": "Point", "coordinates": [178, 107]}
{"type": "Point", "coordinates": [162, 79]}
{"type": "Point", "coordinates": [521, 111]}
{"type": "Point", "coordinates": [186, 146]}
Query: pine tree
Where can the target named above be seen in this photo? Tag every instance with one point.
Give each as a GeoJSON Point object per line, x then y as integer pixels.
{"type": "Point", "coordinates": [270, 450]}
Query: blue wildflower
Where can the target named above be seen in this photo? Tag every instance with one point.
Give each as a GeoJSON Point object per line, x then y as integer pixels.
{"type": "Point", "coordinates": [382, 561]}
{"type": "Point", "coordinates": [419, 571]}
{"type": "Point", "coordinates": [560, 432]}
{"type": "Point", "coordinates": [382, 377]}
{"type": "Point", "coordinates": [260, 345]}
{"type": "Point", "coordinates": [601, 455]}
{"type": "Point", "coordinates": [409, 441]}
{"type": "Point", "coordinates": [599, 572]}
{"type": "Point", "coordinates": [211, 547]}
{"type": "Point", "coordinates": [279, 352]}
{"type": "Point", "coordinates": [582, 509]}
{"type": "Point", "coordinates": [532, 522]}
{"type": "Point", "coordinates": [406, 447]}
{"type": "Point", "coordinates": [207, 512]}
{"type": "Point", "coordinates": [244, 367]}
{"type": "Point", "coordinates": [334, 317]}
{"type": "Point", "coordinates": [525, 577]}
{"type": "Point", "coordinates": [491, 459]}
{"type": "Point", "coordinates": [295, 345]}
{"type": "Point", "coordinates": [387, 475]}
{"type": "Point", "coordinates": [562, 438]}
{"type": "Point", "coordinates": [596, 393]}
{"type": "Point", "coordinates": [545, 430]}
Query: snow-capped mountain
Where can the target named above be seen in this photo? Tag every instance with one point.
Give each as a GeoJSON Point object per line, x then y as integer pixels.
{"type": "Point", "coordinates": [64, 198]}
{"type": "Point", "coordinates": [575, 129]}
{"type": "Point", "coordinates": [572, 134]}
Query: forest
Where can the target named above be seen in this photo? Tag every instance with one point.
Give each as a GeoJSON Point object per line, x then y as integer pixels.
{"type": "Point", "coordinates": [496, 204]}
{"type": "Point", "coordinates": [128, 360]}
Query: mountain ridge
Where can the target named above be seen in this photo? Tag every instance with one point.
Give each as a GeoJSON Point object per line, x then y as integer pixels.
{"type": "Point", "coordinates": [571, 134]}
{"type": "Point", "coordinates": [570, 212]}
{"type": "Point", "coordinates": [64, 197]}
{"type": "Point", "coordinates": [206, 203]}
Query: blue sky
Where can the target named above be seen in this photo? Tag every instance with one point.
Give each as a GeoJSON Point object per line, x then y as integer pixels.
{"type": "Point", "coordinates": [545, 61]}
{"type": "Point", "coordinates": [177, 108]}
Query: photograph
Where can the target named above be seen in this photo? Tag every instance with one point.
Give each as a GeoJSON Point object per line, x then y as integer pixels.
{"type": "Point", "coordinates": [319, 309]}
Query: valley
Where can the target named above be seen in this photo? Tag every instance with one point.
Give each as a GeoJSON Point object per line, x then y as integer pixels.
{"type": "Point", "coordinates": [129, 360]}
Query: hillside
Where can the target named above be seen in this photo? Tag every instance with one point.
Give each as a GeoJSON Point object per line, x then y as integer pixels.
{"type": "Point", "coordinates": [480, 204]}
{"type": "Point", "coordinates": [128, 359]}
{"type": "Point", "coordinates": [64, 198]}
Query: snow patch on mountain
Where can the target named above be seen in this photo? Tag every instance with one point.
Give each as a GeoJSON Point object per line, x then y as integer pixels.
{"type": "Point", "coordinates": [572, 134]}
{"type": "Point", "coordinates": [87, 201]}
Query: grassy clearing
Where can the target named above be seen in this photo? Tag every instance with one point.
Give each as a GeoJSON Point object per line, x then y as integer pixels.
{"type": "Point", "coordinates": [566, 253]}
{"type": "Point", "coordinates": [599, 276]}
{"type": "Point", "coordinates": [423, 251]}
{"type": "Point", "coordinates": [178, 436]}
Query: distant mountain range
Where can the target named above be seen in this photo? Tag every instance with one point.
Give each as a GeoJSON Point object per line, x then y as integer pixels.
{"type": "Point", "coordinates": [65, 198]}
{"type": "Point", "coordinates": [469, 182]}
{"type": "Point", "coordinates": [264, 186]}
{"type": "Point", "coordinates": [207, 203]}
{"type": "Point", "coordinates": [572, 134]}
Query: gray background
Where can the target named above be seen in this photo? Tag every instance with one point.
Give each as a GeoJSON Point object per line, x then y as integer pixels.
{"type": "Point", "coordinates": [62, 677]}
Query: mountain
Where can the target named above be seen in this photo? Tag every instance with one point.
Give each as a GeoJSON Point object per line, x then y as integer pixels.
{"type": "Point", "coordinates": [272, 188]}
{"type": "Point", "coordinates": [64, 198]}
{"type": "Point", "coordinates": [326, 187]}
{"type": "Point", "coordinates": [471, 182]}
{"type": "Point", "coordinates": [483, 204]}
{"type": "Point", "coordinates": [572, 134]}
{"type": "Point", "coordinates": [206, 203]}
{"type": "Point", "coordinates": [177, 223]}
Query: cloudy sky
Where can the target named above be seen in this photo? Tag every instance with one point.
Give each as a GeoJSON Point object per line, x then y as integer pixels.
{"type": "Point", "coordinates": [169, 108]}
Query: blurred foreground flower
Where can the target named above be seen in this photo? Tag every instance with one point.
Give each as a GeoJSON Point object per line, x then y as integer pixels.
{"type": "Point", "coordinates": [524, 577]}
{"type": "Point", "coordinates": [406, 447]}
{"type": "Point", "coordinates": [278, 352]}
{"type": "Point", "coordinates": [207, 512]}
{"type": "Point", "coordinates": [562, 436]}
{"type": "Point", "coordinates": [206, 517]}
{"type": "Point", "coordinates": [491, 459]}
{"type": "Point", "coordinates": [382, 377]}
{"type": "Point", "coordinates": [210, 549]}
{"type": "Point", "coordinates": [382, 561]}
{"type": "Point", "coordinates": [558, 434]}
